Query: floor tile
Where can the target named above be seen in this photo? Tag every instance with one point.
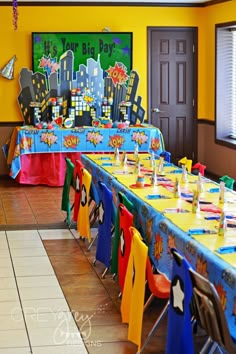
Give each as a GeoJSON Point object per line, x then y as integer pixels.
{"type": "Point", "coordinates": [28, 252]}
{"type": "Point", "coordinates": [12, 322]}
{"type": "Point", "coordinates": [20, 220]}
{"type": "Point", "coordinates": [50, 320]}
{"type": "Point", "coordinates": [45, 305]}
{"type": "Point", "coordinates": [3, 242]}
{"type": "Point", "coordinates": [4, 252]}
{"type": "Point", "coordinates": [55, 234]}
{"type": "Point", "coordinates": [10, 307]}
{"type": "Point", "coordinates": [42, 281]}
{"type": "Point", "coordinates": [25, 243]}
{"type": "Point", "coordinates": [8, 283]}
{"type": "Point", "coordinates": [29, 235]}
{"type": "Point", "coordinates": [95, 318]}
{"type": "Point", "coordinates": [99, 303]}
{"type": "Point", "coordinates": [62, 349]}
{"type": "Point", "coordinates": [33, 270]}
{"type": "Point", "coordinates": [104, 333]}
{"type": "Point", "coordinates": [70, 264]}
{"type": "Point", "coordinates": [6, 272]}
{"type": "Point", "coordinates": [20, 338]}
{"type": "Point", "coordinates": [8, 295]}
{"type": "Point", "coordinates": [31, 261]}
{"type": "Point", "coordinates": [62, 247]}
{"type": "Point", "coordinates": [50, 292]}
{"type": "Point", "coordinates": [25, 350]}
{"type": "Point", "coordinates": [114, 348]}
{"type": "Point", "coordinates": [60, 335]}
{"type": "Point", "coordinates": [5, 261]}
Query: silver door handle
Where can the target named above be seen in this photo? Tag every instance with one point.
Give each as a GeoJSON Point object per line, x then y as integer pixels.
{"type": "Point", "coordinates": [156, 110]}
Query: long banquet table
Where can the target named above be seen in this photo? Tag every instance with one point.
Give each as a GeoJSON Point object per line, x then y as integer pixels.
{"type": "Point", "coordinates": [163, 230]}
{"type": "Point", "coordinates": [37, 156]}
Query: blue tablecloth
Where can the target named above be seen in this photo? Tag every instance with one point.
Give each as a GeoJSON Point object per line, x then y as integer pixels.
{"type": "Point", "coordinates": [161, 234]}
{"type": "Point", "coordinates": [34, 141]}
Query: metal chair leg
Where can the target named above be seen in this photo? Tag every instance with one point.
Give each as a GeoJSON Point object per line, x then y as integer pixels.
{"type": "Point", "coordinates": [92, 242]}
{"type": "Point", "coordinates": [206, 346]}
{"type": "Point", "coordinates": [149, 300]}
{"type": "Point", "coordinates": [154, 327]}
{"type": "Point", "coordinates": [104, 273]}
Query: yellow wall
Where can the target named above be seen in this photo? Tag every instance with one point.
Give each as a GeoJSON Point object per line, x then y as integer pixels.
{"type": "Point", "coordinates": [221, 13]}
{"type": "Point", "coordinates": [132, 19]}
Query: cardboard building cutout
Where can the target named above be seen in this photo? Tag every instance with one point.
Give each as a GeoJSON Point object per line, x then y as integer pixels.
{"type": "Point", "coordinates": [82, 96]}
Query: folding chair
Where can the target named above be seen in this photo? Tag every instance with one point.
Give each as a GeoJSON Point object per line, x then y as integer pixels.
{"type": "Point", "coordinates": [186, 162]}
{"type": "Point", "coordinates": [198, 168]}
{"type": "Point", "coordinates": [126, 221]}
{"type": "Point", "coordinates": [83, 224]}
{"type": "Point", "coordinates": [78, 186]}
{"type": "Point", "coordinates": [159, 287]}
{"type": "Point", "coordinates": [179, 326]}
{"type": "Point", "coordinates": [166, 155]}
{"type": "Point", "coordinates": [116, 240]}
{"type": "Point", "coordinates": [211, 316]}
{"type": "Point", "coordinates": [228, 181]}
{"type": "Point", "coordinates": [68, 182]}
{"type": "Point", "coordinates": [138, 272]}
{"type": "Point", "coordinates": [103, 251]}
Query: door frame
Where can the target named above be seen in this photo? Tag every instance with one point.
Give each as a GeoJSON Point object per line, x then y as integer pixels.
{"type": "Point", "coordinates": [194, 30]}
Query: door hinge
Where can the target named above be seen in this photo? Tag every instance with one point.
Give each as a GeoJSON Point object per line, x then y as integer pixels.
{"type": "Point", "coordinates": [193, 102]}
{"type": "Point", "coordinates": [193, 48]}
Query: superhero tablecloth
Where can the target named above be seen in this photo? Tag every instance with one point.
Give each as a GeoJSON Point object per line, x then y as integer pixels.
{"type": "Point", "coordinates": [34, 141]}
{"type": "Point", "coordinates": [163, 229]}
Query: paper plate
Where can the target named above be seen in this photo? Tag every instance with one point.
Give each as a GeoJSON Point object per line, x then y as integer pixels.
{"type": "Point", "coordinates": [136, 187]}
{"type": "Point", "coordinates": [121, 172]}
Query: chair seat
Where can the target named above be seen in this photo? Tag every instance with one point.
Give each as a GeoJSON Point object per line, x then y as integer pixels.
{"type": "Point", "coordinates": [160, 286]}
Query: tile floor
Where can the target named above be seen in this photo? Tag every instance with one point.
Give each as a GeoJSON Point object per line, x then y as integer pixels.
{"type": "Point", "coordinates": [52, 298]}
{"type": "Point", "coordinates": [34, 314]}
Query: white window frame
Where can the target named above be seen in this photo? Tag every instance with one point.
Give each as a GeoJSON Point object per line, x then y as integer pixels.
{"type": "Point", "coordinates": [225, 88]}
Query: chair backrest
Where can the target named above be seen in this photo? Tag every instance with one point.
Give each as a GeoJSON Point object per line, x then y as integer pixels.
{"type": "Point", "coordinates": [103, 251]}
{"type": "Point", "coordinates": [166, 155]}
{"type": "Point", "coordinates": [115, 245]}
{"type": "Point", "coordinates": [185, 162]}
{"type": "Point", "coordinates": [133, 295]}
{"type": "Point", "coordinates": [68, 181]}
{"type": "Point", "coordinates": [229, 181]}
{"type": "Point", "coordinates": [179, 328]}
{"type": "Point", "coordinates": [126, 221]}
{"type": "Point", "coordinates": [210, 311]}
{"type": "Point", "coordinates": [83, 225]}
{"type": "Point", "coordinates": [198, 168]}
{"type": "Point", "coordinates": [78, 185]}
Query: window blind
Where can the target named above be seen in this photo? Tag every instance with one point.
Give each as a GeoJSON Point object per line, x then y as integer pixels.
{"type": "Point", "coordinates": [226, 83]}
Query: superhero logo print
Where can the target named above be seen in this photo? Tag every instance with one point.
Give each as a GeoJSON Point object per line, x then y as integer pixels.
{"type": "Point", "coordinates": [101, 213]}
{"type": "Point", "coordinates": [177, 295]}
{"type": "Point", "coordinates": [77, 184]}
{"type": "Point", "coordinates": [122, 243]}
{"type": "Point", "coordinates": [83, 196]}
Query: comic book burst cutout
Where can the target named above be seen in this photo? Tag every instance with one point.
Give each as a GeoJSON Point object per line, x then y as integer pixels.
{"type": "Point", "coordinates": [8, 70]}
{"type": "Point", "coordinates": [48, 64]}
{"type": "Point", "coordinates": [71, 141]}
{"type": "Point", "coordinates": [89, 98]}
{"type": "Point", "coordinates": [118, 74]}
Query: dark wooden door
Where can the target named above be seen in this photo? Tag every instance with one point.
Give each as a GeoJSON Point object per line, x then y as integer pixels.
{"type": "Point", "coordinates": [172, 70]}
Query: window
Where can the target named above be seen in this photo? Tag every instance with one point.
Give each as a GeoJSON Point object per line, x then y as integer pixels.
{"type": "Point", "coordinates": [226, 84]}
